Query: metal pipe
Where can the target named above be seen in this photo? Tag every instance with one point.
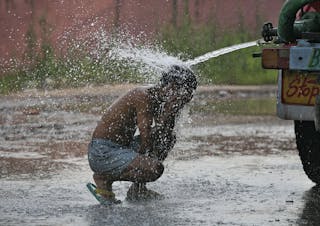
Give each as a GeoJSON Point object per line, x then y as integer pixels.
{"type": "Point", "coordinates": [287, 18]}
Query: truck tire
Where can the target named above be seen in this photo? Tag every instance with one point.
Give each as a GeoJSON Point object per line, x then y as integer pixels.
{"type": "Point", "coordinates": [308, 144]}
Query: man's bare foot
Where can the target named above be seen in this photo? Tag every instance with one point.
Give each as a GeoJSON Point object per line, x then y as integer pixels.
{"type": "Point", "coordinates": [109, 196]}
{"type": "Point", "coordinates": [103, 196]}
{"type": "Point", "coordinates": [104, 188]}
{"type": "Point", "coordinates": [139, 192]}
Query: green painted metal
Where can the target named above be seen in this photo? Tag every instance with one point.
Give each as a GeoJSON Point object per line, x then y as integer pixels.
{"type": "Point", "coordinates": [288, 28]}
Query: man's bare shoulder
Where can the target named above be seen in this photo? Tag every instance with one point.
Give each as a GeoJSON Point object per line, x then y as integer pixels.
{"type": "Point", "coordinates": [139, 97]}
{"type": "Point", "coordinates": [139, 93]}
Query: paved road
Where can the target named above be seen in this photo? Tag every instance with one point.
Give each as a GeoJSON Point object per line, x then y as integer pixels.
{"type": "Point", "coordinates": [210, 179]}
{"type": "Point", "coordinates": [236, 171]}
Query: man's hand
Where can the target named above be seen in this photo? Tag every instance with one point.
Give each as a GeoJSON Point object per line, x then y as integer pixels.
{"type": "Point", "coordinates": [173, 105]}
{"type": "Point", "coordinates": [163, 142]}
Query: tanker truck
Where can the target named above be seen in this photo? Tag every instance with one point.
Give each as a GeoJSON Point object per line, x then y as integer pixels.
{"type": "Point", "coordinates": [293, 48]}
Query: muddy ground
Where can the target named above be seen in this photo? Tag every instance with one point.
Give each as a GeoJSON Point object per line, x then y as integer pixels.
{"type": "Point", "coordinates": [224, 170]}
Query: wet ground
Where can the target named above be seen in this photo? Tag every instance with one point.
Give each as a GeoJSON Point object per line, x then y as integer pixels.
{"type": "Point", "coordinates": [224, 170]}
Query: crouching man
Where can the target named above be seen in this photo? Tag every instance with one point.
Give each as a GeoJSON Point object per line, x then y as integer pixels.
{"type": "Point", "coordinates": [116, 154]}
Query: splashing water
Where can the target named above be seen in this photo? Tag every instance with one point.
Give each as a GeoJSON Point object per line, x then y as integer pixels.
{"type": "Point", "coordinates": [156, 60]}
{"type": "Point", "coordinates": [128, 53]}
{"type": "Point", "coordinates": [219, 52]}
{"type": "Point", "coordinates": [123, 53]}
{"type": "Point", "coordinates": [149, 60]}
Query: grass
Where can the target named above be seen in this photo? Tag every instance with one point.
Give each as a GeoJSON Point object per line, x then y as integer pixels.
{"type": "Point", "coordinates": [236, 68]}
{"type": "Point", "coordinates": [251, 106]}
{"type": "Point", "coordinates": [77, 68]}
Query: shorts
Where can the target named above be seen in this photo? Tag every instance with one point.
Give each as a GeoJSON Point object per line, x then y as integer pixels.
{"type": "Point", "coordinates": [105, 156]}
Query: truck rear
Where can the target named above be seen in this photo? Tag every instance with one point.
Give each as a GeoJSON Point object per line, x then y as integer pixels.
{"type": "Point", "coordinates": [295, 52]}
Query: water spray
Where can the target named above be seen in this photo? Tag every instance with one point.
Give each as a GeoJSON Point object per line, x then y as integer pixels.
{"type": "Point", "coordinates": [219, 52]}
{"type": "Point", "coordinates": [155, 60]}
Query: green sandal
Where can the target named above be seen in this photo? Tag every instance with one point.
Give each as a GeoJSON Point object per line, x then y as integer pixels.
{"type": "Point", "coordinates": [97, 193]}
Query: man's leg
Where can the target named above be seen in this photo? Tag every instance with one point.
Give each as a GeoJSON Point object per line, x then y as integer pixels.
{"type": "Point", "coordinates": [147, 169]}
{"type": "Point", "coordinates": [103, 181]}
{"type": "Point", "coordinates": [143, 169]}
{"type": "Point", "coordinates": [104, 186]}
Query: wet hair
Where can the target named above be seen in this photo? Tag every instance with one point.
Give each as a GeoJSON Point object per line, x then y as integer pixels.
{"type": "Point", "coordinates": [180, 76]}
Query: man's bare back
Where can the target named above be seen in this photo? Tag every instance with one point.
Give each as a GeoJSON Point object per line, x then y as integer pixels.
{"type": "Point", "coordinates": [120, 121]}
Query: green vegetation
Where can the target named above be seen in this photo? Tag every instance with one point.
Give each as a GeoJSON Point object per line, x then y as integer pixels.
{"type": "Point", "coordinates": [238, 67]}
{"type": "Point", "coordinates": [250, 106]}
{"type": "Point", "coordinates": [76, 69]}
{"type": "Point", "coordinates": [46, 70]}
{"type": "Point", "coordinates": [239, 106]}
{"type": "Point", "coordinates": [42, 68]}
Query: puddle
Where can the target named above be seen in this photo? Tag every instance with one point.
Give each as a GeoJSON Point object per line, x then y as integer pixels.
{"type": "Point", "coordinates": [243, 171]}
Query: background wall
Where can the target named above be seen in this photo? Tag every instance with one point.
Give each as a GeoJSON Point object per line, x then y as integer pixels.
{"type": "Point", "coordinates": [24, 23]}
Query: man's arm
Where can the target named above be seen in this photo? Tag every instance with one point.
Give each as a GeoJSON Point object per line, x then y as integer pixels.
{"type": "Point", "coordinates": [167, 118]}
{"type": "Point", "coordinates": [163, 134]}
{"type": "Point", "coordinates": [144, 121]}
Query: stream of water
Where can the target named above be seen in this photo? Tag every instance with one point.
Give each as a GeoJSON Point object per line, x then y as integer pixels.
{"type": "Point", "coordinates": [219, 52]}
{"type": "Point", "coordinates": [154, 60]}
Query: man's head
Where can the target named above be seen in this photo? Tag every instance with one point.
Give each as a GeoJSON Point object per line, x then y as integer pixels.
{"type": "Point", "coordinates": [180, 76]}
{"type": "Point", "coordinates": [180, 83]}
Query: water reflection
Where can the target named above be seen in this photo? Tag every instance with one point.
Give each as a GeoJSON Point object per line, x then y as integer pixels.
{"type": "Point", "coordinates": [311, 211]}
{"type": "Point", "coordinates": [144, 213]}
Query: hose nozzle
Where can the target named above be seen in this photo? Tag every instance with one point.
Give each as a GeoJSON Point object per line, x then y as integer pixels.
{"type": "Point", "coordinates": [268, 32]}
